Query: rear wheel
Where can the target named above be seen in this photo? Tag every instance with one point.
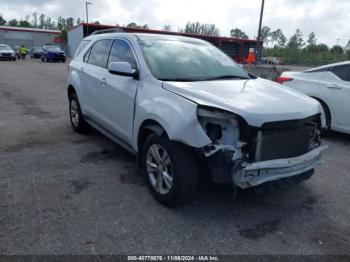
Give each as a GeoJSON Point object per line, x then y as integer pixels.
{"type": "Point", "coordinates": [170, 169]}
{"type": "Point", "coordinates": [76, 117]}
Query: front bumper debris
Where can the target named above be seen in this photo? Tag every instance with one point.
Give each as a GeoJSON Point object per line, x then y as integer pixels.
{"type": "Point", "coordinates": [258, 173]}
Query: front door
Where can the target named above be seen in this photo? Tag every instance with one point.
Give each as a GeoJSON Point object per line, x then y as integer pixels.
{"type": "Point", "coordinates": [117, 96]}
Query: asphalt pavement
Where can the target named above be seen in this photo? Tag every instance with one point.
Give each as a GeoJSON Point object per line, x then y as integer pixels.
{"type": "Point", "coordinates": [65, 193]}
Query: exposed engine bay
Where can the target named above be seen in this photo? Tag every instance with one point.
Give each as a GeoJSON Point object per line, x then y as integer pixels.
{"type": "Point", "coordinates": [248, 156]}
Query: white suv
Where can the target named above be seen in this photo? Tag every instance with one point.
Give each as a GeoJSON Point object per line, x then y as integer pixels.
{"type": "Point", "coordinates": [179, 103]}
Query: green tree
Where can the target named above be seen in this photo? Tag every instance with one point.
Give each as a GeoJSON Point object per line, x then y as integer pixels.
{"type": "Point", "coordinates": [337, 50]}
{"type": "Point", "coordinates": [13, 22]}
{"type": "Point", "coordinates": [265, 34]}
{"type": "Point", "coordinates": [278, 38]}
{"type": "Point", "coordinates": [238, 33]}
{"type": "Point", "coordinates": [42, 20]}
{"type": "Point", "coordinates": [134, 25]}
{"type": "Point", "coordinates": [24, 23]}
{"type": "Point", "coordinates": [312, 39]}
{"type": "Point", "coordinates": [348, 45]}
{"type": "Point", "coordinates": [2, 20]}
{"type": "Point", "coordinates": [35, 19]}
{"type": "Point", "coordinates": [201, 29]}
{"type": "Point", "coordinates": [296, 41]}
{"type": "Point", "coordinates": [167, 28]}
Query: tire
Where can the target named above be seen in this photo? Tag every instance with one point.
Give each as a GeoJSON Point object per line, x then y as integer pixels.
{"type": "Point", "coordinates": [42, 59]}
{"type": "Point", "coordinates": [76, 117]}
{"type": "Point", "coordinates": [181, 167]}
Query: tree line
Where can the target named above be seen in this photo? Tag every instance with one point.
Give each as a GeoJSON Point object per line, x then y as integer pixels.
{"type": "Point", "coordinates": [295, 50]}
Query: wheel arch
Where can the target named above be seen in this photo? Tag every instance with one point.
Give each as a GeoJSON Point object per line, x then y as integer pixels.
{"type": "Point", "coordinates": [70, 90]}
{"type": "Point", "coordinates": [147, 128]}
{"type": "Point", "coordinates": [328, 109]}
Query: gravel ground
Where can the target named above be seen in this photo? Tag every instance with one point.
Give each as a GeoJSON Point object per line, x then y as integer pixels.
{"type": "Point", "coordinates": [64, 193]}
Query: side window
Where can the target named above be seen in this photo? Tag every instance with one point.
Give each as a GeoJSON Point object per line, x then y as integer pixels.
{"type": "Point", "coordinates": [81, 47]}
{"type": "Point", "coordinates": [121, 52]}
{"type": "Point", "coordinates": [87, 54]}
{"type": "Point", "coordinates": [99, 53]}
{"type": "Point", "coordinates": [343, 72]}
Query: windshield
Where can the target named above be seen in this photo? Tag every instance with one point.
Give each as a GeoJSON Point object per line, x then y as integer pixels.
{"type": "Point", "coordinates": [54, 48]}
{"type": "Point", "coordinates": [175, 60]}
{"type": "Point", "coordinates": [4, 47]}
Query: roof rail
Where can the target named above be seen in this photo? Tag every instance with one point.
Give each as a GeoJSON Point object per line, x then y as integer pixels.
{"type": "Point", "coordinates": [108, 31]}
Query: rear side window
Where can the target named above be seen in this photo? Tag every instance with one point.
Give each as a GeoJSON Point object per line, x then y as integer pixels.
{"type": "Point", "coordinates": [99, 53]}
{"type": "Point", "coordinates": [122, 52]}
{"type": "Point", "coordinates": [81, 47]}
{"type": "Point", "coordinates": [343, 72]}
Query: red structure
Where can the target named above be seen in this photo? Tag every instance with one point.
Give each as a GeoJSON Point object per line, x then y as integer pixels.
{"type": "Point", "coordinates": [236, 48]}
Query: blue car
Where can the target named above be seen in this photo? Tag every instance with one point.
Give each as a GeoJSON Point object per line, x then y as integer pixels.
{"type": "Point", "coordinates": [53, 53]}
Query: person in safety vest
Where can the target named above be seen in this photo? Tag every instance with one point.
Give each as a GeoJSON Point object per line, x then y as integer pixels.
{"type": "Point", "coordinates": [23, 52]}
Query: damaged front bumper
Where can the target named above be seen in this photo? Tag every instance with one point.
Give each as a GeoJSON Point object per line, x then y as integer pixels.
{"type": "Point", "coordinates": [258, 173]}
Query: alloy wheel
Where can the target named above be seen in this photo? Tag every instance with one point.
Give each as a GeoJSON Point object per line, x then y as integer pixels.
{"type": "Point", "coordinates": [159, 169]}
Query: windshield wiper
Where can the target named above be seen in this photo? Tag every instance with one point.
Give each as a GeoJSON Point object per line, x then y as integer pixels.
{"type": "Point", "coordinates": [180, 79]}
{"type": "Point", "coordinates": [226, 77]}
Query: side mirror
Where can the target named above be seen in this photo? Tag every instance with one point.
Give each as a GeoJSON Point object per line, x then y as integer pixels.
{"type": "Point", "coordinates": [123, 69]}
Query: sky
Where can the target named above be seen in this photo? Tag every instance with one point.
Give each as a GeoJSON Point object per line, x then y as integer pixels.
{"type": "Point", "coordinates": [329, 19]}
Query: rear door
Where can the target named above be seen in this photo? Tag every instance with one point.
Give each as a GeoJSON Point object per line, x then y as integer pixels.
{"type": "Point", "coordinates": [117, 96]}
{"type": "Point", "coordinates": [336, 88]}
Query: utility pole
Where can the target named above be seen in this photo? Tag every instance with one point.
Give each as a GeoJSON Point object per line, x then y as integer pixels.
{"type": "Point", "coordinates": [338, 39]}
{"type": "Point", "coordinates": [259, 31]}
{"type": "Point", "coordinates": [87, 17]}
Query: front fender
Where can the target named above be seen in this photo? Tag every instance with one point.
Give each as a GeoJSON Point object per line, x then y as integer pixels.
{"type": "Point", "coordinates": [177, 115]}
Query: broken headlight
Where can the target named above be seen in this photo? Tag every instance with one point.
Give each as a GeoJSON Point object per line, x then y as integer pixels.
{"type": "Point", "coordinates": [220, 126]}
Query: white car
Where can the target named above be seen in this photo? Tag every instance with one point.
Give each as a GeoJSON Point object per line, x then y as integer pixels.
{"type": "Point", "coordinates": [178, 102]}
{"type": "Point", "coordinates": [330, 85]}
{"type": "Point", "coordinates": [6, 53]}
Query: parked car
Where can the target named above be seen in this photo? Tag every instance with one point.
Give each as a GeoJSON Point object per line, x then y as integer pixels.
{"type": "Point", "coordinates": [176, 102]}
{"type": "Point", "coordinates": [53, 53]}
{"type": "Point", "coordinates": [330, 85]}
{"type": "Point", "coordinates": [36, 52]}
{"type": "Point", "coordinates": [6, 53]}
{"type": "Point", "coordinates": [272, 60]}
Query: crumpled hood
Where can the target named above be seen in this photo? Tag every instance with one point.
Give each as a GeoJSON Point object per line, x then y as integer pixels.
{"type": "Point", "coordinates": [256, 100]}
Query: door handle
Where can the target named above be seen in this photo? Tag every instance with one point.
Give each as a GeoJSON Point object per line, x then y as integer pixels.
{"type": "Point", "coordinates": [334, 86]}
{"type": "Point", "coordinates": [103, 81]}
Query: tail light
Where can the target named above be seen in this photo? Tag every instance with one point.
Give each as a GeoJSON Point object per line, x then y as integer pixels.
{"type": "Point", "coordinates": [282, 79]}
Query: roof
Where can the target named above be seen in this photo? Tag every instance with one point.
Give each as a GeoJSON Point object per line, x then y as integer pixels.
{"type": "Point", "coordinates": [329, 65]}
{"type": "Point", "coordinates": [141, 30]}
{"type": "Point", "coordinates": [145, 36]}
{"type": "Point", "coordinates": [28, 29]}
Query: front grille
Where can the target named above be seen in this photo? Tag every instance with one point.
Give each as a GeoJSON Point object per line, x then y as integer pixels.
{"type": "Point", "coordinates": [284, 143]}
{"type": "Point", "coordinates": [6, 54]}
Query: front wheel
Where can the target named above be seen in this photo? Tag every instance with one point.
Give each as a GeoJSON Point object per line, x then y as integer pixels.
{"type": "Point", "coordinates": [76, 117]}
{"type": "Point", "coordinates": [170, 169]}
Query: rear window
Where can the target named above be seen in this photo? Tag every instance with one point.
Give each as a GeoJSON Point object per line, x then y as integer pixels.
{"type": "Point", "coordinates": [81, 47]}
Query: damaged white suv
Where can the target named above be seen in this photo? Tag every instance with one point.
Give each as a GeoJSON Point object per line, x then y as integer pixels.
{"type": "Point", "coordinates": [179, 102]}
